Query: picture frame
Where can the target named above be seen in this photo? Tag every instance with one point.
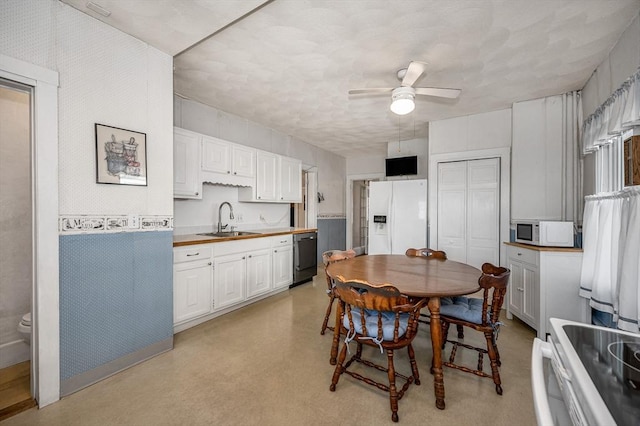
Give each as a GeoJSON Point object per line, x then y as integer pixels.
{"type": "Point", "coordinates": [121, 156]}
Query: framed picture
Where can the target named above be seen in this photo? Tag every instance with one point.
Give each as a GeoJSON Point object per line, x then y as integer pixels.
{"type": "Point", "coordinates": [121, 156]}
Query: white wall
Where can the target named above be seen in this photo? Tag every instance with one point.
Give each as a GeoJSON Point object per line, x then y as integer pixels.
{"type": "Point", "coordinates": [193, 216]}
{"type": "Point", "coordinates": [210, 121]}
{"type": "Point", "coordinates": [469, 133]}
{"type": "Point", "coordinates": [375, 164]}
{"type": "Point", "coordinates": [106, 77]}
{"type": "Point", "coordinates": [622, 62]}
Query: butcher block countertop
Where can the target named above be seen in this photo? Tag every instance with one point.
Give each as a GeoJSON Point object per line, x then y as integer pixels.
{"type": "Point", "coordinates": [538, 248]}
{"type": "Point", "coordinates": [192, 239]}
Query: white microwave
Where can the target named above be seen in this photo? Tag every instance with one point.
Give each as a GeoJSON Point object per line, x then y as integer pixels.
{"type": "Point", "coordinates": [545, 233]}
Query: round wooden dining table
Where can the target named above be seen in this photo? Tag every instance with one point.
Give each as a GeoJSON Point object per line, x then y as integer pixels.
{"type": "Point", "coordinates": [420, 277]}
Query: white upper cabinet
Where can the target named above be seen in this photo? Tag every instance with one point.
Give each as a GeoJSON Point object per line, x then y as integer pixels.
{"type": "Point", "coordinates": [537, 160]}
{"type": "Point", "coordinates": [260, 175]}
{"type": "Point", "coordinates": [227, 163]}
{"type": "Point", "coordinates": [224, 157]}
{"type": "Point", "coordinates": [278, 180]}
{"type": "Point", "coordinates": [243, 161]}
{"type": "Point", "coordinates": [216, 155]}
{"type": "Point", "coordinates": [186, 156]}
{"type": "Point", "coordinates": [290, 180]}
{"type": "Point", "coordinates": [266, 177]}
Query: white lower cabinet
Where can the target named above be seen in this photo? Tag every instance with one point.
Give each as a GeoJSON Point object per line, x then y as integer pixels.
{"type": "Point", "coordinates": [544, 284]}
{"type": "Point", "coordinates": [212, 279]}
{"type": "Point", "coordinates": [192, 276]}
{"type": "Point", "coordinates": [523, 290]}
{"type": "Point", "coordinates": [258, 273]}
{"type": "Point", "coordinates": [229, 278]}
{"type": "Point", "coordinates": [282, 261]}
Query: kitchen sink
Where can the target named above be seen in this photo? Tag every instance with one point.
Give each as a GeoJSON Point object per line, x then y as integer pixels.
{"type": "Point", "coordinates": [229, 234]}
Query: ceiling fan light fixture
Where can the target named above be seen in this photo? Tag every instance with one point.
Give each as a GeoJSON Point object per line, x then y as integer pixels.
{"type": "Point", "coordinates": [402, 100]}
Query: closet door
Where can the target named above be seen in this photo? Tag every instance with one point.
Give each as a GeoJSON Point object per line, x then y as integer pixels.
{"type": "Point", "coordinates": [469, 211]}
{"type": "Point", "coordinates": [452, 209]}
{"type": "Point", "coordinates": [483, 212]}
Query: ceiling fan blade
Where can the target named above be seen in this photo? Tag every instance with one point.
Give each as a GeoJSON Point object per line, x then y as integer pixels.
{"type": "Point", "coordinates": [414, 71]}
{"type": "Point", "coordinates": [373, 90]}
{"type": "Point", "coordinates": [438, 91]}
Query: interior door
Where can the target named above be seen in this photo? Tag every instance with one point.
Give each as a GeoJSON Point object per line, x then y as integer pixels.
{"type": "Point", "coordinates": [469, 211]}
{"type": "Point", "coordinates": [483, 211]}
{"type": "Point", "coordinates": [452, 209]}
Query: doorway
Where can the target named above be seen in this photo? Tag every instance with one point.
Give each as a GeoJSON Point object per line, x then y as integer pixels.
{"type": "Point", "coordinates": [45, 333]}
{"type": "Point", "coordinates": [359, 216]}
{"type": "Point", "coordinates": [305, 214]}
{"type": "Point", "coordinates": [16, 258]}
{"type": "Point", "coordinates": [357, 198]}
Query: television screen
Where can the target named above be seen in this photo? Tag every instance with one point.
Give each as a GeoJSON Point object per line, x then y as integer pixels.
{"type": "Point", "coordinates": [402, 166]}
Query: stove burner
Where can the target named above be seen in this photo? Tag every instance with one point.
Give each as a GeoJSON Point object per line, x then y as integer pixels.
{"type": "Point", "coordinates": [628, 353]}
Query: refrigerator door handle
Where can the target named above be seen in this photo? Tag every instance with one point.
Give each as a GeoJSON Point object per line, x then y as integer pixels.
{"type": "Point", "coordinates": [390, 219]}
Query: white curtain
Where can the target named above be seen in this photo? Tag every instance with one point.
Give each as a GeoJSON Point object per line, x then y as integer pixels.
{"type": "Point", "coordinates": [621, 111]}
{"type": "Point", "coordinates": [611, 262]}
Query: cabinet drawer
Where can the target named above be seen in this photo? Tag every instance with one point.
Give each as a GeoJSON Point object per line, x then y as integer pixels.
{"type": "Point", "coordinates": [242, 246]}
{"type": "Point", "coordinates": [282, 240]}
{"type": "Point", "coordinates": [523, 255]}
{"type": "Point", "coordinates": [191, 253]}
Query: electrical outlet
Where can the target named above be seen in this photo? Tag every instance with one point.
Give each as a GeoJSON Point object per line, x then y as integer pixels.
{"type": "Point", "coordinates": [133, 221]}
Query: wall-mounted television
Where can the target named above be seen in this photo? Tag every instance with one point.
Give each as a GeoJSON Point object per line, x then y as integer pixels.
{"type": "Point", "coordinates": [401, 166]}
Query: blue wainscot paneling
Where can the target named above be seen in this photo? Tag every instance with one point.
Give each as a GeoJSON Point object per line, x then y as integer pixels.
{"type": "Point", "coordinates": [332, 235]}
{"type": "Point", "coordinates": [116, 303]}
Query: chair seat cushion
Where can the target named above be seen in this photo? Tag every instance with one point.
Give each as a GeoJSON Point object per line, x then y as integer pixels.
{"type": "Point", "coordinates": [371, 321]}
{"type": "Point", "coordinates": [465, 308]}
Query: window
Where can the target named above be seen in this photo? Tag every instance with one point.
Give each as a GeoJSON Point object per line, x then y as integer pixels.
{"type": "Point", "coordinates": [618, 163]}
{"type": "Point", "coordinates": [631, 160]}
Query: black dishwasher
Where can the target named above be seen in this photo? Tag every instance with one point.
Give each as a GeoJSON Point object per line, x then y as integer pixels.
{"type": "Point", "coordinates": [305, 266]}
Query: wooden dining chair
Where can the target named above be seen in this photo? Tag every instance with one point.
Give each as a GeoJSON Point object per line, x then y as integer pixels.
{"type": "Point", "coordinates": [479, 314]}
{"type": "Point", "coordinates": [381, 317]}
{"type": "Point", "coordinates": [329, 257]}
{"type": "Point", "coordinates": [425, 252]}
{"type": "Point", "coordinates": [429, 254]}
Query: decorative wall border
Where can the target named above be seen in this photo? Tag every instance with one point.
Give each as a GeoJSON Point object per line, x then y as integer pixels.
{"type": "Point", "coordinates": [98, 224]}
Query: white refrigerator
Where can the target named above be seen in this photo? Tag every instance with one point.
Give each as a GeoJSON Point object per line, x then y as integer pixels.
{"type": "Point", "coordinates": [397, 216]}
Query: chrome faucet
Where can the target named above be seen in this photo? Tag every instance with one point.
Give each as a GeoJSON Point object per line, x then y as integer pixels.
{"type": "Point", "coordinates": [220, 227]}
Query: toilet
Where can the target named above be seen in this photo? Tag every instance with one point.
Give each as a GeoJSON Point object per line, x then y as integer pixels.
{"type": "Point", "coordinates": [24, 328]}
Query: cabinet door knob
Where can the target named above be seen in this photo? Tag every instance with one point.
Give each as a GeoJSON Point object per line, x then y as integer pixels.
{"type": "Point", "coordinates": [275, 251]}
{"type": "Point", "coordinates": [520, 289]}
{"type": "Point", "coordinates": [193, 254]}
{"type": "Point", "coordinates": [519, 254]}
{"type": "Point", "coordinates": [210, 264]}
{"type": "Point", "coordinates": [228, 171]}
{"type": "Point", "coordinates": [234, 173]}
{"type": "Point", "coordinates": [249, 256]}
{"type": "Point", "coordinates": [197, 193]}
{"type": "Point", "coordinates": [243, 257]}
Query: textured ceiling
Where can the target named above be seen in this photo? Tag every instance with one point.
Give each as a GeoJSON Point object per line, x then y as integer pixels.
{"type": "Point", "coordinates": [290, 64]}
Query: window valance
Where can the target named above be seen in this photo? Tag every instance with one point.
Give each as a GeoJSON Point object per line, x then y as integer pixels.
{"type": "Point", "coordinates": [621, 111]}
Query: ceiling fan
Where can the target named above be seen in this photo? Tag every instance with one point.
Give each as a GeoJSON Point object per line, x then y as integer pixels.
{"type": "Point", "coordinates": [402, 98]}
